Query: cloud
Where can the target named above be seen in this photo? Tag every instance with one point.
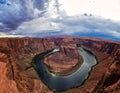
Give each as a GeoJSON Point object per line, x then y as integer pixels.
{"type": "Point", "coordinates": [7, 35]}
{"type": "Point", "coordinates": [69, 25]}
{"type": "Point", "coordinates": [29, 18]}
{"type": "Point", "coordinates": [15, 12]}
{"type": "Point", "coordinates": [40, 25]}
{"type": "Point", "coordinates": [91, 25]}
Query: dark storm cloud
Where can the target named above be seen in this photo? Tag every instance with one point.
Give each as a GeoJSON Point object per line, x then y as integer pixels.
{"type": "Point", "coordinates": [14, 12]}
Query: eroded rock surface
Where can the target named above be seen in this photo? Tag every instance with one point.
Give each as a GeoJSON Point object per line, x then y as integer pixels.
{"type": "Point", "coordinates": [17, 53]}
{"type": "Point", "coordinates": [66, 58]}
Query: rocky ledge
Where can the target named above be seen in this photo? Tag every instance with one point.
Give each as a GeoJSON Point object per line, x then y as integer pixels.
{"type": "Point", "coordinates": [17, 53]}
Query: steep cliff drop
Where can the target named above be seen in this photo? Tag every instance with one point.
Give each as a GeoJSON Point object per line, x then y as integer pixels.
{"type": "Point", "coordinates": [17, 53]}
{"type": "Point", "coordinates": [69, 78]}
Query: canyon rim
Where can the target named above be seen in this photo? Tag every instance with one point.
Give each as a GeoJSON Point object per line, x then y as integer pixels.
{"type": "Point", "coordinates": [17, 53]}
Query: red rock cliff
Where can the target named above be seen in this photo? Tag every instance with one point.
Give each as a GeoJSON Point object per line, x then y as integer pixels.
{"type": "Point", "coordinates": [66, 59]}
{"type": "Point", "coordinates": [15, 56]}
{"type": "Point", "coordinates": [17, 53]}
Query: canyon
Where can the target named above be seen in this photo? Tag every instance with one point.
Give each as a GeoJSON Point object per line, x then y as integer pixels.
{"type": "Point", "coordinates": [16, 55]}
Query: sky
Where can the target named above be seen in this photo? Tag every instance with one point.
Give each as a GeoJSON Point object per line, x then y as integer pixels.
{"type": "Point", "coordinates": [104, 8]}
{"type": "Point", "coordinates": [39, 18]}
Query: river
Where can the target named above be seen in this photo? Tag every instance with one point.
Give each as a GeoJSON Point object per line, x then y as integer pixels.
{"type": "Point", "coordinates": [60, 83]}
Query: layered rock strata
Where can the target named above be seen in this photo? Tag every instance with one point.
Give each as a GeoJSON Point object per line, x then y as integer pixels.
{"type": "Point", "coordinates": [17, 53]}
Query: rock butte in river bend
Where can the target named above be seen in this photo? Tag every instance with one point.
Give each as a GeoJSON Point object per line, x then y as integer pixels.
{"type": "Point", "coordinates": [66, 58]}
{"type": "Point", "coordinates": [17, 53]}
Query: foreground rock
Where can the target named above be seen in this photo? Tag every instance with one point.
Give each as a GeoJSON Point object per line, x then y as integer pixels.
{"type": "Point", "coordinates": [17, 53]}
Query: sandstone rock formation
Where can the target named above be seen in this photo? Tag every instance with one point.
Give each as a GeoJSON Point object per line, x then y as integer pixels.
{"type": "Point", "coordinates": [66, 58]}
{"type": "Point", "coordinates": [15, 56]}
{"type": "Point", "coordinates": [17, 53]}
